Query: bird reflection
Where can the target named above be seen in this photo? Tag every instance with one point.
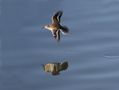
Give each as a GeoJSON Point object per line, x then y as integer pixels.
{"type": "Point", "coordinates": [55, 68]}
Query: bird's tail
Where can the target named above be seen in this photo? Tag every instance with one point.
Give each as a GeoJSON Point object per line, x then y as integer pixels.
{"type": "Point", "coordinates": [64, 29]}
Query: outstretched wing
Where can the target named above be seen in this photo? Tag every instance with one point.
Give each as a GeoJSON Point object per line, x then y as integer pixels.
{"type": "Point", "coordinates": [58, 35]}
{"type": "Point", "coordinates": [56, 17]}
{"type": "Point", "coordinates": [64, 30]}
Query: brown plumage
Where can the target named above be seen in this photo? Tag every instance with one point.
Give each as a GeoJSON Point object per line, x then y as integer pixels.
{"type": "Point", "coordinates": [55, 68]}
{"type": "Point", "coordinates": [55, 27]}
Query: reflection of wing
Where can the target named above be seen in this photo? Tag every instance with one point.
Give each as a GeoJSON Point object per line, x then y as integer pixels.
{"type": "Point", "coordinates": [56, 17]}
{"type": "Point", "coordinates": [64, 66]}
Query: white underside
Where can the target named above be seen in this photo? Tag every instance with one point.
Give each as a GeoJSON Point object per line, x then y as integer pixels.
{"type": "Point", "coordinates": [49, 28]}
{"type": "Point", "coordinates": [52, 30]}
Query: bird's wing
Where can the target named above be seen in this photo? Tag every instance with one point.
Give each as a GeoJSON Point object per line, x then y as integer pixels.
{"type": "Point", "coordinates": [64, 30]}
{"type": "Point", "coordinates": [56, 17]}
{"type": "Point", "coordinates": [58, 35]}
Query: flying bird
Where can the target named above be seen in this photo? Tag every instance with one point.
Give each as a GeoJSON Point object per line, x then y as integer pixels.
{"type": "Point", "coordinates": [55, 27]}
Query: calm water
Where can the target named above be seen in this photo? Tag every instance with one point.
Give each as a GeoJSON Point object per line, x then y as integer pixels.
{"type": "Point", "coordinates": [91, 48]}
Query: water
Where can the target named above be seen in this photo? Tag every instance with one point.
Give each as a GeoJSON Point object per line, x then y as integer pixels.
{"type": "Point", "coordinates": [91, 48]}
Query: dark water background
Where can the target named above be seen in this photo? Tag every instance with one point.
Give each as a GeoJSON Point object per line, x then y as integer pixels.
{"type": "Point", "coordinates": [91, 48]}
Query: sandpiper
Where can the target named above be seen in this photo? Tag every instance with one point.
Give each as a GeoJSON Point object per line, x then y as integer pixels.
{"type": "Point", "coordinates": [55, 27]}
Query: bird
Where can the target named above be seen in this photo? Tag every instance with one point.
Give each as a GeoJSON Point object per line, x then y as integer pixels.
{"type": "Point", "coordinates": [55, 27]}
{"type": "Point", "coordinates": [55, 68]}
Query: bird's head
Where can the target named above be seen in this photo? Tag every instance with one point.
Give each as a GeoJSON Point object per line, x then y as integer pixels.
{"type": "Point", "coordinates": [46, 26]}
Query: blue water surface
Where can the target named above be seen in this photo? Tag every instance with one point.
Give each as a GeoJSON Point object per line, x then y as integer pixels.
{"type": "Point", "coordinates": [91, 47]}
